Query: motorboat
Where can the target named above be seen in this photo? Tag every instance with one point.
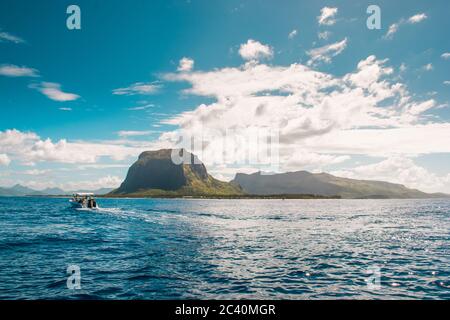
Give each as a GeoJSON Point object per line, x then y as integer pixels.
{"type": "Point", "coordinates": [83, 200]}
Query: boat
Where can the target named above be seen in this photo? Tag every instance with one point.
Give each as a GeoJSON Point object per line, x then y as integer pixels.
{"type": "Point", "coordinates": [83, 200]}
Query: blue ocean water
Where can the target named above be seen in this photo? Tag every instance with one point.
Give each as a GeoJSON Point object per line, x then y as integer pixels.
{"type": "Point", "coordinates": [226, 249]}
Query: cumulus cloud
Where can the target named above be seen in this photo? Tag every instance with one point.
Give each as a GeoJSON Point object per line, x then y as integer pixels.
{"type": "Point", "coordinates": [28, 148]}
{"type": "Point", "coordinates": [255, 50]}
{"type": "Point", "coordinates": [10, 70]}
{"type": "Point", "coordinates": [402, 170]}
{"type": "Point", "coordinates": [140, 88]}
{"type": "Point", "coordinates": [417, 18]}
{"type": "Point", "coordinates": [327, 15]}
{"type": "Point", "coordinates": [4, 159]}
{"type": "Point", "coordinates": [186, 64]}
{"type": "Point", "coordinates": [53, 91]}
{"type": "Point", "coordinates": [326, 53]}
{"type": "Point", "coordinates": [445, 55]}
{"type": "Point", "coordinates": [292, 34]}
{"type": "Point", "coordinates": [428, 67]}
{"type": "Point", "coordinates": [319, 117]}
{"type": "Point", "coordinates": [8, 37]}
{"type": "Point", "coordinates": [393, 28]}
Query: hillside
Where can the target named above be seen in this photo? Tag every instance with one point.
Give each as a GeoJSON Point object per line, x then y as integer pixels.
{"type": "Point", "coordinates": [303, 182]}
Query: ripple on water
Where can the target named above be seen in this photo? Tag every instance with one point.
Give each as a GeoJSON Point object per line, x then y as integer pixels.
{"type": "Point", "coordinates": [229, 249]}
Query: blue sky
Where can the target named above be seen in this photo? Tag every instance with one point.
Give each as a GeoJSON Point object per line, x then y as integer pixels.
{"type": "Point", "coordinates": [78, 106]}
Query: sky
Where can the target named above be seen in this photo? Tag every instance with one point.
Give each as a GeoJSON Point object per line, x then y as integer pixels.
{"type": "Point", "coordinates": [79, 106]}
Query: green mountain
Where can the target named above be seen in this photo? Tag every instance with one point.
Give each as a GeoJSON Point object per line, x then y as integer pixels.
{"type": "Point", "coordinates": [155, 174]}
{"type": "Point", "coordinates": [303, 182]}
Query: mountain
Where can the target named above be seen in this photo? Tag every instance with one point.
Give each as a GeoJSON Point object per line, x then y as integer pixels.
{"type": "Point", "coordinates": [155, 174]}
{"type": "Point", "coordinates": [303, 182]}
{"type": "Point", "coordinates": [17, 191]}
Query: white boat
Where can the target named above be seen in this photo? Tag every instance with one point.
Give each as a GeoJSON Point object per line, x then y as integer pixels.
{"type": "Point", "coordinates": [83, 200]}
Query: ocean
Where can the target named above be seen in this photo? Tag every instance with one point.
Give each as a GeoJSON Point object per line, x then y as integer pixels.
{"type": "Point", "coordinates": [225, 249]}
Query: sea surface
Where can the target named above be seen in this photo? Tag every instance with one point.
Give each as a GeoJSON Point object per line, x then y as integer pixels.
{"type": "Point", "coordinates": [225, 249]}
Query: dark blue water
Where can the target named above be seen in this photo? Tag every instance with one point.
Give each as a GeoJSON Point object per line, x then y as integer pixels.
{"type": "Point", "coordinates": [173, 249]}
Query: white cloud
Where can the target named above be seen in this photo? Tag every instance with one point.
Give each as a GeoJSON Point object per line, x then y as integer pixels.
{"type": "Point", "coordinates": [141, 88]}
{"type": "Point", "coordinates": [53, 91]}
{"type": "Point", "coordinates": [6, 36]}
{"type": "Point", "coordinates": [255, 50]}
{"type": "Point", "coordinates": [65, 109]}
{"type": "Point", "coordinates": [292, 34]}
{"type": "Point", "coordinates": [320, 117]}
{"type": "Point", "coordinates": [124, 133]}
{"type": "Point", "coordinates": [402, 170]}
{"type": "Point", "coordinates": [403, 67]}
{"type": "Point", "coordinates": [326, 53]}
{"type": "Point", "coordinates": [35, 172]}
{"type": "Point", "coordinates": [327, 15]}
{"type": "Point", "coordinates": [324, 35]}
{"type": "Point", "coordinates": [417, 18]}
{"type": "Point", "coordinates": [299, 159]}
{"type": "Point", "coordinates": [447, 82]}
{"type": "Point", "coordinates": [428, 67]}
{"type": "Point", "coordinates": [185, 65]}
{"type": "Point", "coordinates": [28, 148]}
{"type": "Point", "coordinates": [4, 159]}
{"type": "Point", "coordinates": [445, 55]}
{"type": "Point", "coordinates": [142, 107]}
{"type": "Point", "coordinates": [108, 181]}
{"type": "Point", "coordinates": [10, 70]}
{"type": "Point", "coordinates": [393, 28]}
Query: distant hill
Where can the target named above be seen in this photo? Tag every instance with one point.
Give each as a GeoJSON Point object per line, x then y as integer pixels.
{"type": "Point", "coordinates": [154, 174]}
{"type": "Point", "coordinates": [17, 191]}
{"type": "Point", "coordinates": [22, 191]}
{"type": "Point", "coordinates": [303, 182]}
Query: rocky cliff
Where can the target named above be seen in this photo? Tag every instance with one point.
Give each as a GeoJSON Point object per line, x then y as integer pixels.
{"type": "Point", "coordinates": [155, 174]}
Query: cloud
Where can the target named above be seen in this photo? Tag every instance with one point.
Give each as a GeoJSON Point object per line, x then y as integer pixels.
{"type": "Point", "coordinates": [141, 88]}
{"type": "Point", "coordinates": [4, 159]}
{"type": "Point", "coordinates": [445, 55]}
{"type": "Point", "coordinates": [185, 65]}
{"type": "Point", "coordinates": [326, 53]}
{"type": "Point", "coordinates": [428, 67]}
{"type": "Point", "coordinates": [393, 28]}
{"type": "Point", "coordinates": [10, 70]}
{"type": "Point", "coordinates": [403, 67]}
{"type": "Point", "coordinates": [324, 35]}
{"type": "Point", "coordinates": [65, 109]}
{"type": "Point", "coordinates": [255, 50]}
{"type": "Point", "coordinates": [53, 91]}
{"type": "Point", "coordinates": [402, 170]}
{"type": "Point", "coordinates": [28, 148]}
{"type": "Point", "coordinates": [447, 82]}
{"type": "Point", "coordinates": [108, 181]}
{"type": "Point", "coordinates": [5, 36]}
{"type": "Point", "coordinates": [317, 116]}
{"type": "Point", "coordinates": [143, 107]}
{"type": "Point", "coordinates": [124, 133]}
{"type": "Point", "coordinates": [417, 18]}
{"type": "Point", "coordinates": [327, 15]}
{"type": "Point", "coordinates": [292, 34]}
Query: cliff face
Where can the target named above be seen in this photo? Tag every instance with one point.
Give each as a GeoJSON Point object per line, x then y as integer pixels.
{"type": "Point", "coordinates": [154, 173]}
{"type": "Point", "coordinates": [303, 182]}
